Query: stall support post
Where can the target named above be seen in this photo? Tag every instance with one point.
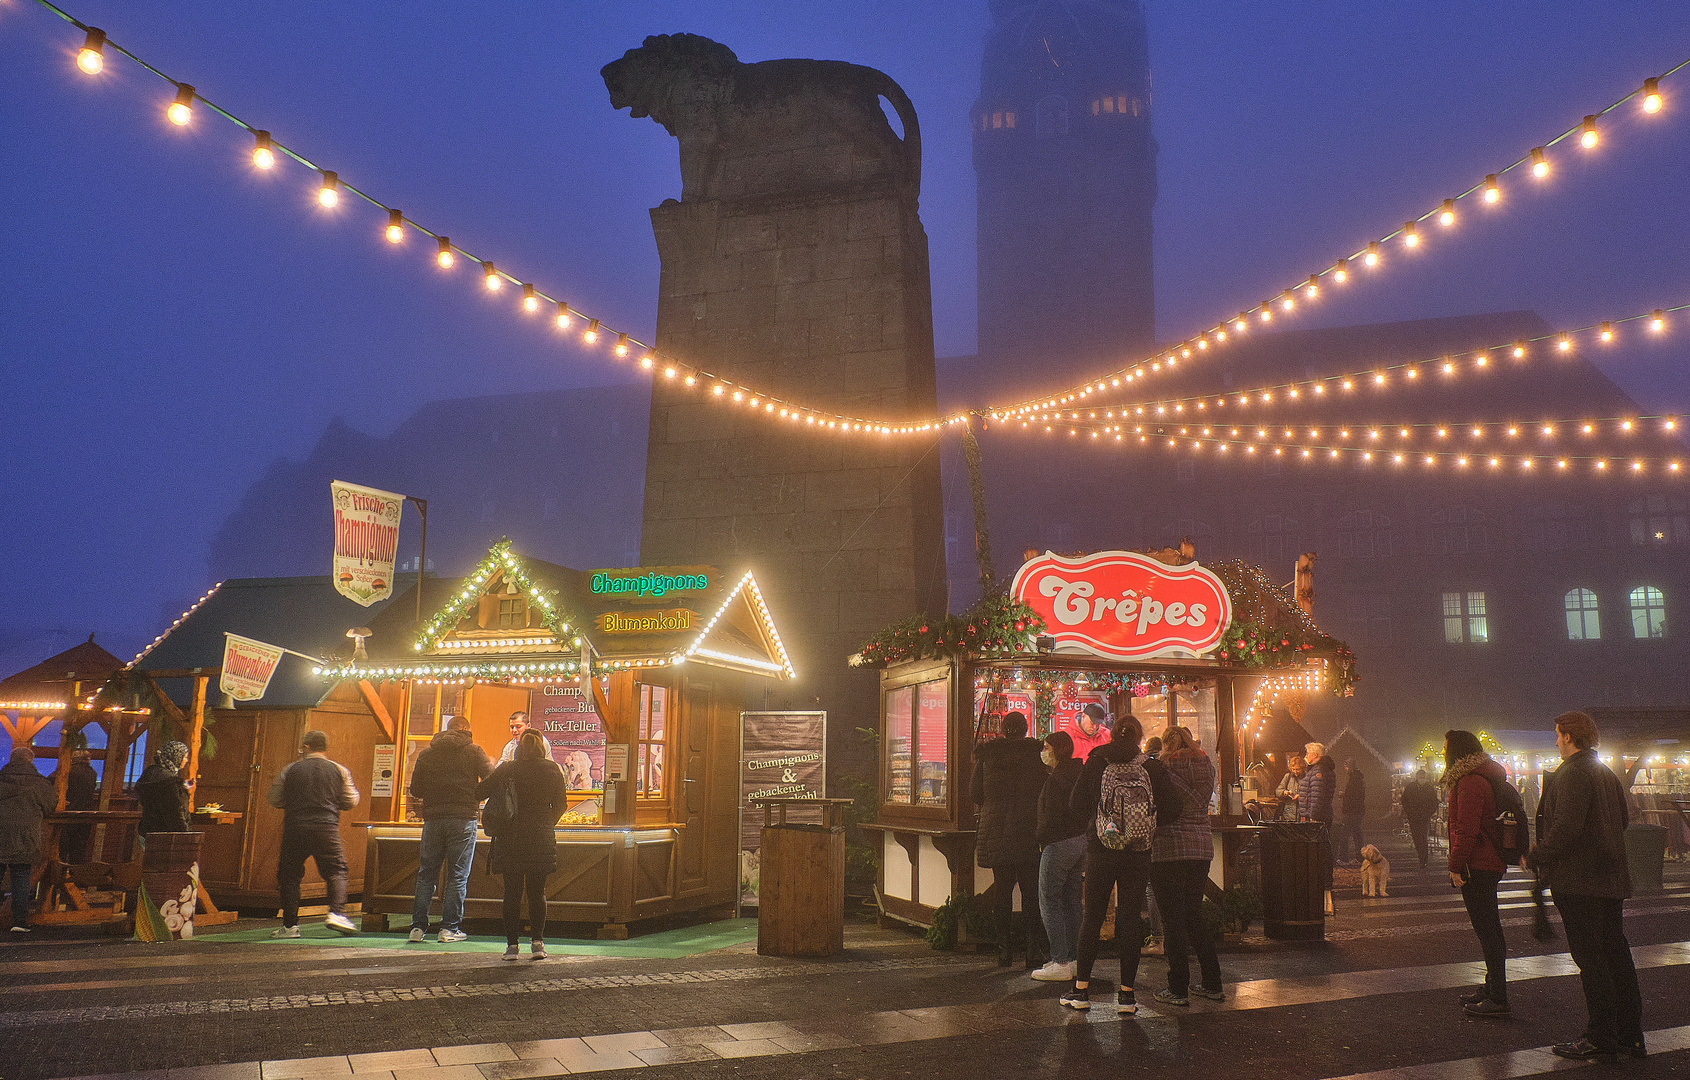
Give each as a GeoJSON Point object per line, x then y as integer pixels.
{"type": "Point", "coordinates": [422, 554]}
{"type": "Point", "coordinates": [198, 732]}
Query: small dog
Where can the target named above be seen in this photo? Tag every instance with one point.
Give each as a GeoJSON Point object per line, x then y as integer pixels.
{"type": "Point", "coordinates": [1375, 872]}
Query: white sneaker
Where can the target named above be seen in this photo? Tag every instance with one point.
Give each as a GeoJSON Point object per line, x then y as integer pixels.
{"type": "Point", "coordinates": [511, 953]}
{"type": "Point", "coordinates": [417, 934]}
{"type": "Point", "coordinates": [449, 936]}
{"type": "Point", "coordinates": [20, 929]}
{"type": "Point", "coordinates": [340, 924]}
{"type": "Point", "coordinates": [285, 932]}
{"type": "Point", "coordinates": [537, 950]}
{"type": "Point", "coordinates": [1055, 972]}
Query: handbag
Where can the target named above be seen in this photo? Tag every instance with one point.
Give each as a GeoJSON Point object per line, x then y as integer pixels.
{"type": "Point", "coordinates": [500, 808]}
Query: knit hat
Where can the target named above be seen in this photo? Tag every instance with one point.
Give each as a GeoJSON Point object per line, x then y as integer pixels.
{"type": "Point", "coordinates": [172, 755]}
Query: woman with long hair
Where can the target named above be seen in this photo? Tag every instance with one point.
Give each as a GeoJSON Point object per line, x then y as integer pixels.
{"type": "Point", "coordinates": [1475, 866]}
{"type": "Point", "coordinates": [1062, 854]}
{"type": "Point", "coordinates": [1180, 854]}
{"type": "Point", "coordinates": [525, 847]}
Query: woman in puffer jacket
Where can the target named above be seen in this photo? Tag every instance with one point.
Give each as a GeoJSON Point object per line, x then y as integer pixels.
{"type": "Point", "coordinates": [1475, 867]}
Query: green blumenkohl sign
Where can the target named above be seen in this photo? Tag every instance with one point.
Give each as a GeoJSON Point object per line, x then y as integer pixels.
{"type": "Point", "coordinates": [655, 582]}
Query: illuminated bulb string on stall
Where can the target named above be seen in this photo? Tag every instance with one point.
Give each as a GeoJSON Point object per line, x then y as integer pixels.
{"type": "Point", "coordinates": [92, 57]}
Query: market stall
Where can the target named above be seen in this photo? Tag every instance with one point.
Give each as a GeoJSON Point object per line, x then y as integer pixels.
{"type": "Point", "coordinates": [1152, 635]}
{"type": "Point", "coordinates": [635, 676]}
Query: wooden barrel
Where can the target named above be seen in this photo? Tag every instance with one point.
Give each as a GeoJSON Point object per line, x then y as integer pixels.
{"type": "Point", "coordinates": [170, 883]}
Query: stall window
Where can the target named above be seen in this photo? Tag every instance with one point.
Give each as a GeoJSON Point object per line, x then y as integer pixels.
{"type": "Point", "coordinates": [1648, 612]}
{"type": "Point", "coordinates": [918, 744]}
{"type": "Point", "coordinates": [1584, 622]}
{"type": "Point", "coordinates": [652, 737]}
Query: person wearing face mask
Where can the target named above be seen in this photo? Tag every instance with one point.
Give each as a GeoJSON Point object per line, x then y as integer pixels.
{"type": "Point", "coordinates": [1062, 855]}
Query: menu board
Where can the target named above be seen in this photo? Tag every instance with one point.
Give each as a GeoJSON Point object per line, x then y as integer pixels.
{"type": "Point", "coordinates": [566, 715]}
{"type": "Point", "coordinates": [782, 755]}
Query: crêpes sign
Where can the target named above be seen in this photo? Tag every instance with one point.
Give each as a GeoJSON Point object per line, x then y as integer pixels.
{"type": "Point", "coordinates": [1125, 606]}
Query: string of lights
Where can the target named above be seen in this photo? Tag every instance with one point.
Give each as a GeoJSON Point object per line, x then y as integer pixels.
{"type": "Point", "coordinates": [1414, 234]}
{"type": "Point", "coordinates": [1376, 434]}
{"type": "Point", "coordinates": [1492, 359]}
{"type": "Point", "coordinates": [332, 188]}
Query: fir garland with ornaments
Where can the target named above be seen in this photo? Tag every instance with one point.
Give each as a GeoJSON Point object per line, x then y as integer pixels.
{"type": "Point", "coordinates": [996, 626]}
{"type": "Point", "coordinates": [1256, 645]}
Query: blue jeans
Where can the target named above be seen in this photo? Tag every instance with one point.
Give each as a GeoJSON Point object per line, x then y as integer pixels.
{"type": "Point", "coordinates": [1061, 875]}
{"type": "Point", "coordinates": [450, 841]}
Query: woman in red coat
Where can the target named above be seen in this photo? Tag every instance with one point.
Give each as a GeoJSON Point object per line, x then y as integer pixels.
{"type": "Point", "coordinates": [1474, 865]}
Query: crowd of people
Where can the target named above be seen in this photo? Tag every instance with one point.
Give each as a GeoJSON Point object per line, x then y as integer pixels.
{"type": "Point", "coordinates": [1132, 822]}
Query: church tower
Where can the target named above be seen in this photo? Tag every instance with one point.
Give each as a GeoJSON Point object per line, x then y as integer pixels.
{"type": "Point", "coordinates": [1066, 169]}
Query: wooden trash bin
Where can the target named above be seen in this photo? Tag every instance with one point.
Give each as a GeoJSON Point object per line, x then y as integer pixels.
{"type": "Point", "coordinates": [801, 904]}
{"type": "Point", "coordinates": [170, 878]}
{"type": "Point", "coordinates": [1296, 859]}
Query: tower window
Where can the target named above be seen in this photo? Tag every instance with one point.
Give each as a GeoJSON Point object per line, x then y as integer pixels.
{"type": "Point", "coordinates": [1002, 119]}
{"type": "Point", "coordinates": [1116, 105]}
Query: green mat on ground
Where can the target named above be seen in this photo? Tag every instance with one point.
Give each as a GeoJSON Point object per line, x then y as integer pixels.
{"type": "Point", "coordinates": [662, 945]}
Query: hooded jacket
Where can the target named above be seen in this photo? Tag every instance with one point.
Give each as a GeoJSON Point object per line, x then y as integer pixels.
{"type": "Point", "coordinates": [1008, 780]}
{"type": "Point", "coordinates": [1164, 793]}
{"type": "Point", "coordinates": [445, 775]}
{"type": "Point", "coordinates": [1314, 794]}
{"type": "Point", "coordinates": [164, 800]}
{"type": "Point", "coordinates": [1057, 821]}
{"type": "Point", "coordinates": [1581, 823]}
{"type": "Point", "coordinates": [26, 798]}
{"type": "Point", "coordinates": [1472, 814]}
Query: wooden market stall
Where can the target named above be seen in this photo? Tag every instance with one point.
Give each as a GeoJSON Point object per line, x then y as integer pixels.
{"type": "Point", "coordinates": [649, 741]}
{"type": "Point", "coordinates": [1152, 635]}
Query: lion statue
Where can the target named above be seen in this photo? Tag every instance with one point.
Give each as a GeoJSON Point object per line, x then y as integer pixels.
{"type": "Point", "coordinates": [725, 112]}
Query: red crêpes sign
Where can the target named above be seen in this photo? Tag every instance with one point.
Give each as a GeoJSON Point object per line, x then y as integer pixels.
{"type": "Point", "coordinates": [1125, 606]}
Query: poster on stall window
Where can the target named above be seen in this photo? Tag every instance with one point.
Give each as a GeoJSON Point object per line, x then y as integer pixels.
{"type": "Point", "coordinates": [782, 755]}
{"type": "Point", "coordinates": [366, 539]}
{"type": "Point", "coordinates": [566, 715]}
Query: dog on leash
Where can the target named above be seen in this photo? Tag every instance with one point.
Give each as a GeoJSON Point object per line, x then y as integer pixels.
{"type": "Point", "coordinates": [1375, 872]}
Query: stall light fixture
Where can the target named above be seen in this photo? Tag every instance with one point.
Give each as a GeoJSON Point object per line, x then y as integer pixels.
{"type": "Point", "coordinates": [1587, 133]}
{"type": "Point", "coordinates": [1540, 165]}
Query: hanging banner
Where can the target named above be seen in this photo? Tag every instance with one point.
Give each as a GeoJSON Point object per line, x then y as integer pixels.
{"type": "Point", "coordinates": [247, 667]}
{"type": "Point", "coordinates": [1125, 606]}
{"type": "Point", "coordinates": [366, 539]}
{"type": "Point", "coordinates": [782, 755]}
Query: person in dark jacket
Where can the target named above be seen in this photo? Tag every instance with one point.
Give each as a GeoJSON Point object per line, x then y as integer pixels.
{"type": "Point", "coordinates": [311, 793]}
{"type": "Point", "coordinates": [82, 792]}
{"type": "Point", "coordinates": [1180, 855]}
{"type": "Point", "coordinates": [444, 778]}
{"type": "Point", "coordinates": [163, 794]}
{"type": "Point", "coordinates": [26, 798]}
{"type": "Point", "coordinates": [1580, 852]}
{"type": "Point", "coordinates": [1008, 778]}
{"type": "Point", "coordinates": [1062, 853]}
{"type": "Point", "coordinates": [1314, 803]}
{"type": "Point", "coordinates": [1419, 807]}
{"type": "Point", "coordinates": [1475, 866]}
{"type": "Point", "coordinates": [525, 848]}
{"type": "Point", "coordinates": [1354, 804]}
{"type": "Point", "coordinates": [1125, 872]}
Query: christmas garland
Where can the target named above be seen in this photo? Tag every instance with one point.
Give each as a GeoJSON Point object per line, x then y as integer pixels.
{"type": "Point", "coordinates": [1256, 645]}
{"type": "Point", "coordinates": [499, 557]}
{"type": "Point", "coordinates": [996, 626]}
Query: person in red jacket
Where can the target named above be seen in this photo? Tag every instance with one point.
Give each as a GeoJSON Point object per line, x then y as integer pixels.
{"type": "Point", "coordinates": [1475, 867]}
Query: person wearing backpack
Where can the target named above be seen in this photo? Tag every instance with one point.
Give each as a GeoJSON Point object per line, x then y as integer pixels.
{"type": "Point", "coordinates": [1476, 863]}
{"type": "Point", "coordinates": [1008, 778]}
{"type": "Point", "coordinates": [444, 778]}
{"type": "Point", "coordinates": [1126, 793]}
{"type": "Point", "coordinates": [524, 849]}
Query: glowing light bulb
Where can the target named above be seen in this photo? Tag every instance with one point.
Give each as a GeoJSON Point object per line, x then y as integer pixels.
{"type": "Point", "coordinates": [182, 109]}
{"type": "Point", "coordinates": [1267, 313]}
{"type": "Point", "coordinates": [649, 360]}
{"type": "Point", "coordinates": [1658, 321]}
{"type": "Point", "coordinates": [1446, 216]}
{"type": "Point", "coordinates": [562, 315]}
{"type": "Point", "coordinates": [622, 346]}
{"type": "Point", "coordinates": [1492, 191]}
{"type": "Point", "coordinates": [1587, 134]}
{"type": "Point", "coordinates": [395, 227]}
{"type": "Point", "coordinates": [1242, 323]}
{"type": "Point", "coordinates": [1564, 343]}
{"type": "Point", "coordinates": [592, 332]}
{"type": "Point", "coordinates": [1287, 302]}
{"type": "Point", "coordinates": [1341, 271]}
{"type": "Point", "coordinates": [1540, 164]}
{"type": "Point", "coordinates": [1410, 234]}
{"type": "Point", "coordinates": [491, 277]}
{"type": "Point", "coordinates": [445, 258]}
{"type": "Point", "coordinates": [530, 302]}
{"type": "Point", "coordinates": [1607, 331]}
{"type": "Point", "coordinates": [1313, 286]}
{"type": "Point", "coordinates": [1372, 256]}
{"type": "Point", "coordinates": [1519, 350]}
{"type": "Point", "coordinates": [263, 154]}
{"type": "Point", "coordinates": [1651, 95]}
{"type": "Point", "coordinates": [91, 59]}
{"type": "Point", "coordinates": [328, 195]}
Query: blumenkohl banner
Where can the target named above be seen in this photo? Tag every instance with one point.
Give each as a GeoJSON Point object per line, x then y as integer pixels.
{"type": "Point", "coordinates": [366, 539]}
{"type": "Point", "coordinates": [247, 667]}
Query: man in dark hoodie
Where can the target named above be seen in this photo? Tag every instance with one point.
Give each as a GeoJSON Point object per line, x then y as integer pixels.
{"type": "Point", "coordinates": [444, 778]}
{"type": "Point", "coordinates": [1108, 869]}
{"type": "Point", "coordinates": [1008, 777]}
{"type": "Point", "coordinates": [26, 798]}
{"type": "Point", "coordinates": [311, 793]}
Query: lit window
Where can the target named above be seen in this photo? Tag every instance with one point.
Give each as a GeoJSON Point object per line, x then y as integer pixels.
{"type": "Point", "coordinates": [917, 744]}
{"type": "Point", "coordinates": [652, 736]}
{"type": "Point", "coordinates": [1648, 612]}
{"type": "Point", "coordinates": [1583, 621]}
{"type": "Point", "coordinates": [1465, 619]}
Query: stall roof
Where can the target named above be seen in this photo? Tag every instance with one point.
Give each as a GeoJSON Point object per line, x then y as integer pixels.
{"type": "Point", "coordinates": [49, 682]}
{"type": "Point", "coordinates": [630, 616]}
{"type": "Point", "coordinates": [305, 614]}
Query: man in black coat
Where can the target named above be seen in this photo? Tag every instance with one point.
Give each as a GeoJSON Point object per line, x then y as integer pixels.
{"type": "Point", "coordinates": [1355, 809]}
{"type": "Point", "coordinates": [26, 798]}
{"type": "Point", "coordinates": [1008, 777]}
{"type": "Point", "coordinates": [444, 778]}
{"type": "Point", "coordinates": [311, 793]}
{"type": "Point", "coordinates": [1419, 806]}
{"type": "Point", "coordinates": [1580, 852]}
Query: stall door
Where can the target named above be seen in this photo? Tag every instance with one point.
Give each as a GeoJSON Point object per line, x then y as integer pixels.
{"type": "Point", "coordinates": [226, 779]}
{"type": "Point", "coordinates": [695, 735]}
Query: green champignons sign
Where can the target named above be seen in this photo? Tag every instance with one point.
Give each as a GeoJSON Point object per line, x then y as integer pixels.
{"type": "Point", "coordinates": [646, 583]}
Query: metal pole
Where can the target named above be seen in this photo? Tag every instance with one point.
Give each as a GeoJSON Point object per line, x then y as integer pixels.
{"type": "Point", "coordinates": [422, 554]}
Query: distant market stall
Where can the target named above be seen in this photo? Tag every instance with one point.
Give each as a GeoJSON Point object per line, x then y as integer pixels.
{"type": "Point", "coordinates": [1153, 635]}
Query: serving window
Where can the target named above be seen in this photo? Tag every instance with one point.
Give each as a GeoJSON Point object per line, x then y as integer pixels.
{"type": "Point", "coordinates": [918, 744]}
